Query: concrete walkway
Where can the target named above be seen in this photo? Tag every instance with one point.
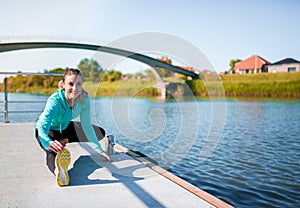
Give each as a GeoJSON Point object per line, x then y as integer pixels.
{"type": "Point", "coordinates": [26, 182]}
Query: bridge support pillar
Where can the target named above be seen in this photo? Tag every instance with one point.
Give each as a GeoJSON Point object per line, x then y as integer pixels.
{"type": "Point", "coordinates": [162, 87]}
{"type": "Point", "coordinates": [163, 93]}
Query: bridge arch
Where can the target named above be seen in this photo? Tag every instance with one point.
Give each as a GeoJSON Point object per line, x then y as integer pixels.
{"type": "Point", "coordinates": [161, 86]}
{"type": "Point", "coordinates": [6, 47]}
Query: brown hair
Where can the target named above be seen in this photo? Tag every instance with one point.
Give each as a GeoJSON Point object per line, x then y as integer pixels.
{"type": "Point", "coordinates": [73, 71]}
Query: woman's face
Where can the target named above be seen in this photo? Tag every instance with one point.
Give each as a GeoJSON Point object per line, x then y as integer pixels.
{"type": "Point", "coordinates": [72, 86]}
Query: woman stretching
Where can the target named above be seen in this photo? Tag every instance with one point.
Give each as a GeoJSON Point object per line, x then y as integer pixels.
{"type": "Point", "coordinates": [54, 127]}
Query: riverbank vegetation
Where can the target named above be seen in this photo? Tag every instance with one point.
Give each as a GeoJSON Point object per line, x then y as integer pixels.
{"type": "Point", "coordinates": [277, 85]}
{"type": "Point", "coordinates": [100, 82]}
{"type": "Point", "coordinates": [111, 84]}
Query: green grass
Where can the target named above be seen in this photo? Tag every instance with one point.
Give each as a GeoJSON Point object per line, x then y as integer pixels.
{"type": "Point", "coordinates": [279, 85]}
{"type": "Point", "coordinates": [122, 88]}
{"type": "Point", "coordinates": [116, 88]}
{"type": "Point", "coordinates": [277, 77]}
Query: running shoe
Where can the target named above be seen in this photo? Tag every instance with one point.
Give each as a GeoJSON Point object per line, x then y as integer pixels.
{"type": "Point", "coordinates": [62, 161]}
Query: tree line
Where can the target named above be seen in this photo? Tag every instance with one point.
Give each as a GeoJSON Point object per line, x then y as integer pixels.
{"type": "Point", "coordinates": [92, 72]}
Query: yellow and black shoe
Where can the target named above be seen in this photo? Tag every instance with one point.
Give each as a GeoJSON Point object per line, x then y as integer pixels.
{"type": "Point", "coordinates": [62, 161]}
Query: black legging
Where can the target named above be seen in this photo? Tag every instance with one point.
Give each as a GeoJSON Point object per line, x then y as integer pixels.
{"type": "Point", "coordinates": [73, 132]}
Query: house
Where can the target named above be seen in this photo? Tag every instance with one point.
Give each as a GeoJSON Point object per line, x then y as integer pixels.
{"type": "Point", "coordinates": [253, 64]}
{"type": "Point", "coordinates": [285, 65]}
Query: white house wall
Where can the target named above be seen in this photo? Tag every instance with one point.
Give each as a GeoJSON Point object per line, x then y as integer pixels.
{"type": "Point", "coordinates": [282, 67]}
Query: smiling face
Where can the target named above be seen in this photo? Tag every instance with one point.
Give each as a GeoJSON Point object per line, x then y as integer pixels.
{"type": "Point", "coordinates": [73, 86]}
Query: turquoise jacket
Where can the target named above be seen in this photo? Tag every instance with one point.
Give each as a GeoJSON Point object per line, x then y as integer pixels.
{"type": "Point", "coordinates": [58, 114]}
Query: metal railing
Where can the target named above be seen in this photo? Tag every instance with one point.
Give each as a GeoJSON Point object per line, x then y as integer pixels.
{"type": "Point", "coordinates": [5, 97]}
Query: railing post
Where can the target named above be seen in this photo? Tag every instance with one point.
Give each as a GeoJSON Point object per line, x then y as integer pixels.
{"type": "Point", "coordinates": [5, 102]}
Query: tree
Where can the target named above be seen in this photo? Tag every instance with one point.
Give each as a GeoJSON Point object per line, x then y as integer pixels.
{"type": "Point", "coordinates": [56, 70]}
{"type": "Point", "coordinates": [90, 69]}
{"type": "Point", "coordinates": [84, 67]}
{"type": "Point", "coordinates": [150, 74]}
{"type": "Point", "coordinates": [163, 72]}
{"type": "Point", "coordinates": [112, 75]}
{"type": "Point", "coordinates": [232, 63]}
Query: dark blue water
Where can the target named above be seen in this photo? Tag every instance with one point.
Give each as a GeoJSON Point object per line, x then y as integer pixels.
{"type": "Point", "coordinates": [245, 153]}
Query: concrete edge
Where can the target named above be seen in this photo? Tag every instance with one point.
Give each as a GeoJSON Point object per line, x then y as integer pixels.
{"type": "Point", "coordinates": [184, 184]}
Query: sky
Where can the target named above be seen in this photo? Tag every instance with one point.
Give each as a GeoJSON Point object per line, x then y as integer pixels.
{"type": "Point", "coordinates": [221, 30]}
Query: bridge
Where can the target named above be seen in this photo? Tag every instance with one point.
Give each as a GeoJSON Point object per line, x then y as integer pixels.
{"type": "Point", "coordinates": [152, 62]}
{"type": "Point", "coordinates": [5, 47]}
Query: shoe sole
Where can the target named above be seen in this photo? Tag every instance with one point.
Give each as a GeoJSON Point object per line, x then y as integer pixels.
{"type": "Point", "coordinates": [62, 160]}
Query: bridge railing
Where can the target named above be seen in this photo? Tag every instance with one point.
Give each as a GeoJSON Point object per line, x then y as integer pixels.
{"type": "Point", "coordinates": [6, 102]}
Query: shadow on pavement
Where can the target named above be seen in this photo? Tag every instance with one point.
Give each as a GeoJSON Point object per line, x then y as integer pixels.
{"type": "Point", "coordinates": [84, 166]}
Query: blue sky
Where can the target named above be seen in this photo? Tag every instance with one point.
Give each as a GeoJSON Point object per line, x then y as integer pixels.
{"type": "Point", "coordinates": [221, 30]}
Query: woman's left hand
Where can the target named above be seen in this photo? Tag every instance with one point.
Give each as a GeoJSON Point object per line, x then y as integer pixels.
{"type": "Point", "coordinates": [105, 155]}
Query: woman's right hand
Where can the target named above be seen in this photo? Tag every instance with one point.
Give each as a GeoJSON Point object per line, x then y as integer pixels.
{"type": "Point", "coordinates": [56, 146]}
{"type": "Point", "coordinates": [104, 155]}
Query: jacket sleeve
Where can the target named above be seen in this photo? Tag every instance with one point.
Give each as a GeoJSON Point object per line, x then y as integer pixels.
{"type": "Point", "coordinates": [50, 112]}
{"type": "Point", "coordinates": [85, 119]}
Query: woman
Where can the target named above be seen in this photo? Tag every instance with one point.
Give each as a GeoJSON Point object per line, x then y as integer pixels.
{"type": "Point", "coordinates": [54, 127]}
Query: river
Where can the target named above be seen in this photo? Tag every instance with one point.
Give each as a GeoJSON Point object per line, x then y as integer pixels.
{"type": "Point", "coordinates": [245, 153]}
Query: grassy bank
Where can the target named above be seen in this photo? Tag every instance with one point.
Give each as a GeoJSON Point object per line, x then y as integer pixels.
{"type": "Point", "coordinates": [280, 85]}
{"type": "Point", "coordinates": [122, 88]}
{"type": "Point", "coordinates": [106, 88]}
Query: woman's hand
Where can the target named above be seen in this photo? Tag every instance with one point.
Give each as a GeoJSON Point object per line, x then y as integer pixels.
{"type": "Point", "coordinates": [105, 155]}
{"type": "Point", "coordinates": [56, 146]}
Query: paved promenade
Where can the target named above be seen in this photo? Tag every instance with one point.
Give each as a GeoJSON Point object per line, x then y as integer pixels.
{"type": "Point", "coordinates": [126, 182]}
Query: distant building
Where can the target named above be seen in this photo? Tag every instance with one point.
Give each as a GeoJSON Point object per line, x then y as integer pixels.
{"type": "Point", "coordinates": [285, 65]}
{"type": "Point", "coordinates": [253, 64]}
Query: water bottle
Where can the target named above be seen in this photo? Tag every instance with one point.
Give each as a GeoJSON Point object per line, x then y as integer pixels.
{"type": "Point", "coordinates": [110, 144]}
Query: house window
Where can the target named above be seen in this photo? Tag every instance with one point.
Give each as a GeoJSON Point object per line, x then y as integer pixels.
{"type": "Point", "coordinates": [291, 69]}
{"type": "Point", "coordinates": [264, 69]}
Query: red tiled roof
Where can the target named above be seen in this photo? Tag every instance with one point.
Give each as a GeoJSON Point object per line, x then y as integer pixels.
{"type": "Point", "coordinates": [188, 68]}
{"type": "Point", "coordinates": [254, 62]}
